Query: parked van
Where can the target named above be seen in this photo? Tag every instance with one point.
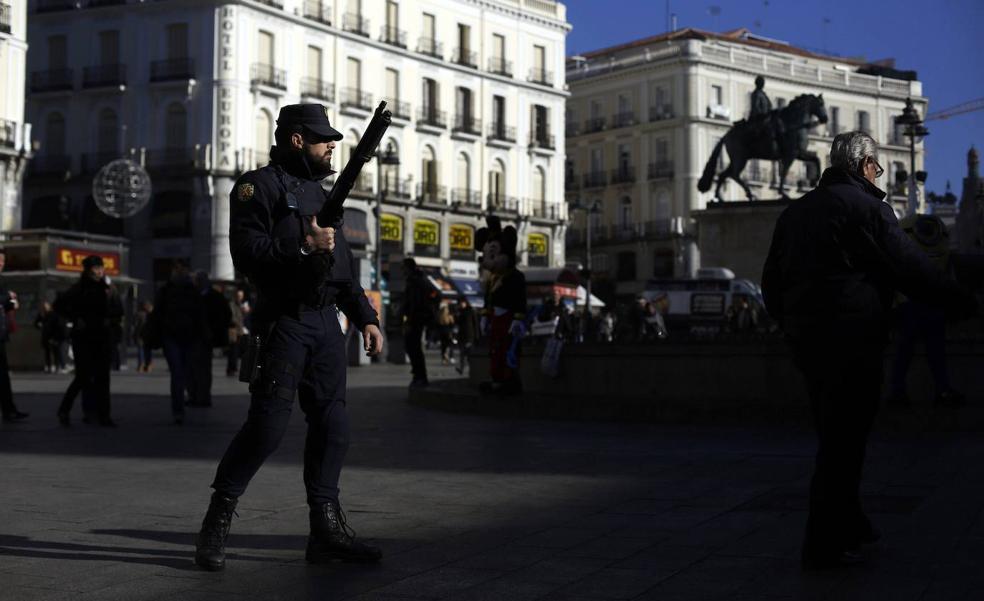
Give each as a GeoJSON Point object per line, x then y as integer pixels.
{"type": "Point", "coordinates": [703, 301]}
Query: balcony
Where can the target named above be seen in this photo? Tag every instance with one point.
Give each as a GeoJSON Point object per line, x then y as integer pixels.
{"type": "Point", "coordinates": [8, 133]}
{"type": "Point", "coordinates": [104, 76]}
{"type": "Point", "coordinates": [355, 23]}
{"type": "Point", "coordinates": [172, 69]}
{"type": "Point", "coordinates": [624, 175]}
{"type": "Point", "coordinates": [501, 203]}
{"type": "Point", "coordinates": [94, 161]}
{"type": "Point", "coordinates": [659, 113]}
{"type": "Point", "coordinates": [5, 21]}
{"type": "Point", "coordinates": [571, 129]}
{"type": "Point", "coordinates": [432, 117]}
{"type": "Point", "coordinates": [51, 80]}
{"type": "Point", "coordinates": [570, 182]}
{"type": "Point", "coordinates": [466, 57]}
{"type": "Point", "coordinates": [273, 3]}
{"type": "Point", "coordinates": [501, 132]}
{"type": "Point", "coordinates": [316, 10]}
{"type": "Point", "coordinates": [50, 164]}
{"type": "Point", "coordinates": [393, 36]}
{"type": "Point", "coordinates": [545, 210]}
{"type": "Point", "coordinates": [432, 194]}
{"type": "Point", "coordinates": [430, 47]}
{"type": "Point", "coordinates": [396, 191]}
{"type": "Point", "coordinates": [593, 125]}
{"type": "Point", "coordinates": [319, 89]}
{"type": "Point", "coordinates": [53, 6]}
{"type": "Point", "coordinates": [500, 66]}
{"type": "Point", "coordinates": [357, 99]}
{"type": "Point", "coordinates": [541, 76]}
{"type": "Point", "coordinates": [269, 76]}
{"type": "Point", "coordinates": [623, 119]}
{"type": "Point", "coordinates": [400, 109]}
{"type": "Point", "coordinates": [170, 158]}
{"type": "Point", "coordinates": [594, 179]}
{"type": "Point", "coordinates": [467, 124]}
{"type": "Point", "coordinates": [464, 197]}
{"type": "Point", "coordinates": [660, 169]}
{"type": "Point", "coordinates": [363, 187]}
{"type": "Point", "coordinates": [542, 140]}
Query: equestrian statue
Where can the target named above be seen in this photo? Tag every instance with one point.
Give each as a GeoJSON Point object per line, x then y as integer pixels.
{"type": "Point", "coordinates": [775, 135]}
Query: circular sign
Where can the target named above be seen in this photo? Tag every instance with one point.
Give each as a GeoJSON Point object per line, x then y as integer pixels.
{"type": "Point", "coordinates": [121, 188]}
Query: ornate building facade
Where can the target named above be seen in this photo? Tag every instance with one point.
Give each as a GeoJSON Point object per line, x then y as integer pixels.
{"type": "Point", "coordinates": [15, 134]}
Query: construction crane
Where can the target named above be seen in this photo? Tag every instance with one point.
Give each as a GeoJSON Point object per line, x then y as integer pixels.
{"type": "Point", "coordinates": [966, 107]}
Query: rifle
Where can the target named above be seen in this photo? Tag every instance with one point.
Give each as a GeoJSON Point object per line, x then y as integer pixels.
{"type": "Point", "coordinates": [363, 153]}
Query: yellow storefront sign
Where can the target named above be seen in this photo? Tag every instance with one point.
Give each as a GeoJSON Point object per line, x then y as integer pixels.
{"type": "Point", "coordinates": [537, 245]}
{"type": "Point", "coordinates": [426, 232]}
{"type": "Point", "coordinates": [391, 227]}
{"type": "Point", "coordinates": [461, 237]}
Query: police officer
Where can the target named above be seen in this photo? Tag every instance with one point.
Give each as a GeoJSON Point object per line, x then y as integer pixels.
{"type": "Point", "coordinates": [302, 272]}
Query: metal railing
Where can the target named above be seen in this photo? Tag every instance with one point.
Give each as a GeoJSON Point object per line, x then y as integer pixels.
{"type": "Point", "coordinates": [466, 57]}
{"type": "Point", "coordinates": [545, 210]}
{"type": "Point", "coordinates": [660, 169]}
{"type": "Point", "coordinates": [500, 202]}
{"type": "Point", "coordinates": [465, 123]}
{"type": "Point", "coordinates": [541, 76]}
{"type": "Point", "coordinates": [431, 193]}
{"type": "Point", "coordinates": [570, 182]}
{"type": "Point", "coordinates": [313, 87]}
{"type": "Point", "coordinates": [50, 164]}
{"type": "Point", "coordinates": [51, 6]}
{"type": "Point", "coordinates": [5, 21]}
{"type": "Point", "coordinates": [594, 179]}
{"type": "Point", "coordinates": [623, 119]}
{"type": "Point", "coordinates": [355, 23]}
{"type": "Point", "coordinates": [273, 3]}
{"type": "Point", "coordinates": [502, 132]}
{"type": "Point", "coordinates": [430, 47]}
{"type": "Point", "coordinates": [593, 125]}
{"type": "Point", "coordinates": [393, 36]}
{"type": "Point", "coordinates": [542, 140]}
{"type": "Point", "coordinates": [98, 76]}
{"type": "Point", "coordinates": [268, 75]}
{"type": "Point", "coordinates": [51, 80]}
{"type": "Point", "coordinates": [432, 117]}
{"type": "Point", "coordinates": [316, 10]}
{"type": "Point", "coordinates": [659, 113]}
{"type": "Point", "coordinates": [356, 98]}
{"type": "Point", "coordinates": [623, 175]}
{"type": "Point", "coordinates": [172, 69]}
{"type": "Point", "coordinates": [396, 190]}
{"type": "Point", "coordinates": [571, 129]}
{"type": "Point", "coordinates": [400, 109]}
{"type": "Point", "coordinates": [500, 66]}
{"type": "Point", "coordinates": [466, 197]}
{"type": "Point", "coordinates": [8, 133]}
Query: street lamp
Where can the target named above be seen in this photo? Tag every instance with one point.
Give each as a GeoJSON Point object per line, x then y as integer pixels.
{"type": "Point", "coordinates": [914, 129]}
{"type": "Point", "coordinates": [594, 209]}
{"type": "Point", "coordinates": [387, 158]}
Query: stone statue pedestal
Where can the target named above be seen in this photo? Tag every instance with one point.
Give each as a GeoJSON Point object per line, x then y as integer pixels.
{"type": "Point", "coordinates": [736, 234]}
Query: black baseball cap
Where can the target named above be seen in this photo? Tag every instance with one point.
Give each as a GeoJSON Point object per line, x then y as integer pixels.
{"type": "Point", "coordinates": [313, 117]}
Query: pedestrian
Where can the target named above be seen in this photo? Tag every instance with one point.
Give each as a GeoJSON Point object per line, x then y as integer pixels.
{"type": "Point", "coordinates": [52, 328]}
{"type": "Point", "coordinates": [467, 332]}
{"type": "Point", "coordinates": [445, 326]}
{"type": "Point", "coordinates": [837, 256]}
{"type": "Point", "coordinates": [218, 318]}
{"type": "Point", "coordinates": [118, 354]}
{"type": "Point", "coordinates": [91, 307]}
{"type": "Point", "coordinates": [418, 314]}
{"type": "Point", "coordinates": [141, 336]}
{"type": "Point", "coordinates": [181, 310]}
{"type": "Point", "coordinates": [239, 327]}
{"type": "Point", "coordinates": [303, 272]}
{"type": "Point", "coordinates": [606, 327]}
{"type": "Point", "coordinates": [8, 300]}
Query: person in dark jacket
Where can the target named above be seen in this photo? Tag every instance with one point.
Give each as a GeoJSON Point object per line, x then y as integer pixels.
{"type": "Point", "coordinates": [218, 317]}
{"type": "Point", "coordinates": [52, 327]}
{"type": "Point", "coordinates": [418, 313]}
{"type": "Point", "coordinates": [467, 332]}
{"type": "Point", "coordinates": [836, 260]}
{"type": "Point", "coordinates": [91, 307]}
{"type": "Point", "coordinates": [8, 303]}
{"type": "Point", "coordinates": [304, 272]}
{"type": "Point", "coordinates": [181, 311]}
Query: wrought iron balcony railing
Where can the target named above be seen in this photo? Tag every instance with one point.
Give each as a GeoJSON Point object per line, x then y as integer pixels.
{"type": "Point", "coordinates": [430, 47]}
{"type": "Point", "coordinates": [432, 193]}
{"type": "Point", "coordinates": [172, 69]}
{"type": "Point", "coordinates": [542, 140]}
{"type": "Point", "coordinates": [623, 175]}
{"type": "Point", "coordinates": [51, 6]}
{"type": "Point", "coordinates": [623, 119]}
{"type": "Point", "coordinates": [502, 132]}
{"type": "Point", "coordinates": [51, 80]}
{"type": "Point", "coordinates": [393, 36]}
{"type": "Point", "coordinates": [100, 76]}
{"type": "Point", "coordinates": [316, 10]}
{"type": "Point", "coordinates": [400, 109]}
{"type": "Point", "coordinates": [313, 87]}
{"type": "Point", "coordinates": [466, 57]}
{"type": "Point", "coordinates": [268, 75]}
{"type": "Point", "coordinates": [593, 125]}
{"type": "Point", "coordinates": [502, 203]}
{"type": "Point", "coordinates": [8, 133]}
{"type": "Point", "coordinates": [541, 76]}
{"type": "Point", "coordinates": [50, 164]}
{"type": "Point", "coordinates": [594, 179]}
{"type": "Point", "coordinates": [468, 124]}
{"type": "Point", "coordinates": [660, 169]}
{"type": "Point", "coordinates": [356, 98]}
{"type": "Point", "coordinates": [432, 117]}
{"type": "Point", "coordinates": [658, 113]}
{"type": "Point", "coordinates": [355, 23]}
{"type": "Point", "coordinates": [5, 18]}
{"type": "Point", "coordinates": [500, 66]}
{"type": "Point", "coordinates": [465, 197]}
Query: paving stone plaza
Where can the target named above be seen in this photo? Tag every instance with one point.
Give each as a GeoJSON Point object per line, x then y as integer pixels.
{"type": "Point", "coordinates": [468, 507]}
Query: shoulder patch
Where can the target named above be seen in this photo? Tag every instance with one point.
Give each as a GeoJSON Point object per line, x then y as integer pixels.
{"type": "Point", "coordinates": [244, 192]}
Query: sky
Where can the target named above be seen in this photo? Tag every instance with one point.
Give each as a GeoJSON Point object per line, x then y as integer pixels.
{"type": "Point", "coordinates": [933, 37]}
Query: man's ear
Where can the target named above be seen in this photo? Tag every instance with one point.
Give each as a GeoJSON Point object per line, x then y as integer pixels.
{"type": "Point", "coordinates": [297, 140]}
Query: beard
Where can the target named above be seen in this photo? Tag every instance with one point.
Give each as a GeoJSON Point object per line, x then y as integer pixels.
{"type": "Point", "coordinates": [320, 164]}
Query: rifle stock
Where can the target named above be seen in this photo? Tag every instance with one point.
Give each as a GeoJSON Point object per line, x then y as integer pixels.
{"type": "Point", "coordinates": [363, 153]}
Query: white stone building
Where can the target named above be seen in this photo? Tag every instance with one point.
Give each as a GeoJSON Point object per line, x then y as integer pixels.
{"type": "Point", "coordinates": [192, 89]}
{"type": "Point", "coordinates": [644, 117]}
{"type": "Point", "coordinates": [15, 133]}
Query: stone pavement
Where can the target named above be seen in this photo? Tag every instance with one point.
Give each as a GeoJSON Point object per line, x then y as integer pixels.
{"type": "Point", "coordinates": [468, 507]}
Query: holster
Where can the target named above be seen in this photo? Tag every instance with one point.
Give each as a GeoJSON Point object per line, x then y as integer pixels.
{"type": "Point", "coordinates": [251, 353]}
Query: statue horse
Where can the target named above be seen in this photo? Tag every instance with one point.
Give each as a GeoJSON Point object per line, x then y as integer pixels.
{"type": "Point", "coordinates": [780, 136]}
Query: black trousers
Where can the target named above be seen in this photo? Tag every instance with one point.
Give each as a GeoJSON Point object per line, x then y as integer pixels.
{"type": "Point", "coordinates": [303, 354]}
{"type": "Point", "coordinates": [412, 340]}
{"type": "Point", "coordinates": [92, 364]}
{"type": "Point", "coordinates": [201, 373]}
{"type": "Point", "coordinates": [7, 406]}
{"type": "Point", "coordinates": [844, 384]}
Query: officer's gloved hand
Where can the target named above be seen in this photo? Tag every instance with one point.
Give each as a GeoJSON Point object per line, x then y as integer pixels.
{"type": "Point", "coordinates": [517, 328]}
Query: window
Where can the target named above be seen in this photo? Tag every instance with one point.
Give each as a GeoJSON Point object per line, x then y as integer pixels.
{"type": "Point", "coordinates": [498, 46]}
{"type": "Point", "coordinates": [393, 85]}
{"type": "Point", "coordinates": [864, 122]}
{"type": "Point", "coordinates": [717, 95]}
{"type": "Point", "coordinates": [659, 150]}
{"type": "Point", "coordinates": [662, 210]}
{"type": "Point", "coordinates": [314, 63]}
{"type": "Point", "coordinates": [623, 104]}
{"type": "Point", "coordinates": [539, 61]}
{"type": "Point", "coordinates": [108, 132]}
{"type": "Point", "coordinates": [499, 113]}
{"type": "Point", "coordinates": [463, 98]}
{"type": "Point", "coordinates": [176, 127]}
{"type": "Point", "coordinates": [54, 135]}
{"type": "Point", "coordinates": [109, 47]}
{"type": "Point", "coordinates": [539, 186]}
{"type": "Point", "coordinates": [264, 134]}
{"type": "Point", "coordinates": [597, 160]}
{"type": "Point", "coordinates": [835, 114]}
{"type": "Point", "coordinates": [428, 171]}
{"type": "Point", "coordinates": [354, 73]}
{"type": "Point", "coordinates": [595, 110]}
{"type": "Point", "coordinates": [392, 15]}
{"type": "Point", "coordinates": [464, 40]}
{"type": "Point", "coordinates": [177, 40]}
{"type": "Point", "coordinates": [623, 157]}
{"type": "Point", "coordinates": [355, 7]}
{"type": "Point", "coordinates": [57, 52]}
{"type": "Point", "coordinates": [540, 124]}
{"type": "Point", "coordinates": [264, 48]}
{"type": "Point", "coordinates": [463, 174]}
{"type": "Point", "coordinates": [430, 96]}
{"type": "Point", "coordinates": [626, 269]}
{"type": "Point", "coordinates": [497, 182]}
{"type": "Point", "coordinates": [625, 214]}
{"type": "Point", "coordinates": [429, 29]}
{"type": "Point", "coordinates": [663, 263]}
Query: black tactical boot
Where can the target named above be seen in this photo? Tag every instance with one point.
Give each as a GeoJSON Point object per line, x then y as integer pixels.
{"type": "Point", "coordinates": [332, 539]}
{"type": "Point", "coordinates": [210, 546]}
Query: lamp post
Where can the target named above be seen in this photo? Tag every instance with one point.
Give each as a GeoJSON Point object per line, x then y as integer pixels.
{"type": "Point", "coordinates": [594, 209]}
{"type": "Point", "coordinates": [388, 158]}
{"type": "Point", "coordinates": [914, 128]}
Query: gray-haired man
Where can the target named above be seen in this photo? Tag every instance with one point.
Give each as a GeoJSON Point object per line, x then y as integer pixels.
{"type": "Point", "coordinates": [837, 258]}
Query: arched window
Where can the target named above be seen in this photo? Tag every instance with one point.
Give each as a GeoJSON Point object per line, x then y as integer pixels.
{"type": "Point", "coordinates": [497, 184]}
{"type": "Point", "coordinates": [625, 213]}
{"type": "Point", "coordinates": [539, 186]}
{"type": "Point", "coordinates": [463, 175]}
{"type": "Point", "coordinates": [391, 171]}
{"type": "Point", "coordinates": [108, 132]}
{"type": "Point", "coordinates": [54, 135]}
{"type": "Point", "coordinates": [428, 173]}
{"type": "Point", "coordinates": [264, 136]}
{"type": "Point", "coordinates": [175, 127]}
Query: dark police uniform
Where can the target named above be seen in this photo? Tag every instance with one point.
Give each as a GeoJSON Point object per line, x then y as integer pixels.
{"type": "Point", "coordinates": [303, 351]}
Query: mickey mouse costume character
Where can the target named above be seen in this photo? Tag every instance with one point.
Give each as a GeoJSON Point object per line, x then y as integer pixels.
{"type": "Point", "coordinates": [505, 305]}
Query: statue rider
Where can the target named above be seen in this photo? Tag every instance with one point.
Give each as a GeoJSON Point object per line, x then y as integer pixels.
{"type": "Point", "coordinates": [761, 112]}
